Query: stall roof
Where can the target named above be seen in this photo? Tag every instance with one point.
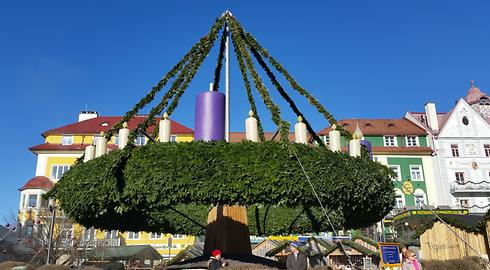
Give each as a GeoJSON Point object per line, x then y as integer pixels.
{"type": "Point", "coordinates": [141, 252]}
{"type": "Point", "coordinates": [420, 221]}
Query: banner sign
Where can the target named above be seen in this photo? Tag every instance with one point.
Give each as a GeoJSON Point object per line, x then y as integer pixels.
{"type": "Point", "coordinates": [390, 255]}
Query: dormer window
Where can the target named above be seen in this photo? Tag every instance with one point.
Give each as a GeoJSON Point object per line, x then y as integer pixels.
{"type": "Point", "coordinates": [484, 101]}
{"type": "Point", "coordinates": [104, 124]}
{"type": "Point", "coordinates": [66, 139]}
{"type": "Point", "coordinates": [140, 140]}
{"type": "Point", "coordinates": [412, 141]}
{"type": "Point", "coordinates": [390, 140]}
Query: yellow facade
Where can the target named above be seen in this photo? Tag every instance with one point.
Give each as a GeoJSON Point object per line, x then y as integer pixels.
{"type": "Point", "coordinates": [65, 157]}
{"type": "Point", "coordinates": [58, 161]}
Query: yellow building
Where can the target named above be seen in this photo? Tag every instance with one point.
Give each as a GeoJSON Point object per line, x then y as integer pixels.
{"type": "Point", "coordinates": [61, 148]}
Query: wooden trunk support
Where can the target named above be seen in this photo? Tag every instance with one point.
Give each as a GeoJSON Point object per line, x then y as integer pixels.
{"type": "Point", "coordinates": [227, 230]}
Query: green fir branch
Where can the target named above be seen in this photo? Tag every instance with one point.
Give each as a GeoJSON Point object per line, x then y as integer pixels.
{"type": "Point", "coordinates": [296, 86]}
{"type": "Point", "coordinates": [259, 85]}
{"type": "Point", "coordinates": [243, 70]}
{"type": "Point", "coordinates": [219, 64]}
{"type": "Point", "coordinates": [281, 90]}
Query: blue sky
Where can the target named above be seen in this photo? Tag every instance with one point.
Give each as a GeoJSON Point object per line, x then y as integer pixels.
{"type": "Point", "coordinates": [362, 59]}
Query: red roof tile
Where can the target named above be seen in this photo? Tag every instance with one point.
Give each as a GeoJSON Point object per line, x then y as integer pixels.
{"type": "Point", "coordinates": [240, 136]}
{"type": "Point", "coordinates": [104, 123]}
{"type": "Point", "coordinates": [380, 127]}
{"type": "Point", "coordinates": [59, 147]}
{"type": "Point", "coordinates": [37, 182]}
{"type": "Point", "coordinates": [377, 150]}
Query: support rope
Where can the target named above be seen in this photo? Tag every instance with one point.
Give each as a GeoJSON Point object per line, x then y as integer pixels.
{"type": "Point", "coordinates": [446, 225]}
{"type": "Point", "coordinates": [291, 148]}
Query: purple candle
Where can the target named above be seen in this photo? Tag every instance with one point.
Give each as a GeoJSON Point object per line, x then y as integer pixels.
{"type": "Point", "coordinates": [367, 144]}
{"type": "Point", "coordinates": [210, 116]}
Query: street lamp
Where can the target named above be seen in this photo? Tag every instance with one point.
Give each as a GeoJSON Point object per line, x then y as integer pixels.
{"type": "Point", "coordinates": [52, 209]}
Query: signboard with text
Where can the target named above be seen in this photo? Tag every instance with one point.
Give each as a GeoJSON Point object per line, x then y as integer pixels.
{"type": "Point", "coordinates": [390, 255]}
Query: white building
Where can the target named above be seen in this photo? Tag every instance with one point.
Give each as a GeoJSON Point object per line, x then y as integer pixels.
{"type": "Point", "coordinates": [461, 143]}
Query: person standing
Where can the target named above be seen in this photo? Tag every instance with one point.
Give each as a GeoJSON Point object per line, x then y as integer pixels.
{"type": "Point", "coordinates": [296, 260]}
{"type": "Point", "coordinates": [215, 261]}
{"type": "Point", "coordinates": [411, 262]}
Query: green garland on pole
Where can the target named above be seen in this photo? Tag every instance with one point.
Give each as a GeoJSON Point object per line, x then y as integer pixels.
{"type": "Point", "coordinates": [248, 89]}
{"type": "Point", "coordinates": [281, 91]}
{"type": "Point", "coordinates": [219, 64]}
{"type": "Point", "coordinates": [295, 85]}
{"type": "Point", "coordinates": [259, 85]}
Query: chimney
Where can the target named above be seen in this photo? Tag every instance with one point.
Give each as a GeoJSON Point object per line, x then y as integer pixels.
{"type": "Point", "coordinates": [85, 115]}
{"type": "Point", "coordinates": [431, 114]}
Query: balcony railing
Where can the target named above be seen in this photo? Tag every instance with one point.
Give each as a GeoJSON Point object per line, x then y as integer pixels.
{"type": "Point", "coordinates": [113, 242]}
{"type": "Point", "coordinates": [474, 208]}
{"type": "Point", "coordinates": [469, 187]}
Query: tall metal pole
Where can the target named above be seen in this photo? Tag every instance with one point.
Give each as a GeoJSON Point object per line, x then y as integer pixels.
{"type": "Point", "coordinates": [50, 238]}
{"type": "Point", "coordinates": [227, 86]}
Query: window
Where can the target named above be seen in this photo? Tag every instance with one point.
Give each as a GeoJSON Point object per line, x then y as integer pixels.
{"type": "Point", "coordinates": [58, 170]}
{"type": "Point", "coordinates": [66, 139]}
{"type": "Point", "coordinates": [390, 140]}
{"type": "Point", "coordinates": [454, 150]}
{"type": "Point", "coordinates": [111, 234]}
{"type": "Point", "coordinates": [30, 228]}
{"type": "Point", "coordinates": [116, 140]}
{"type": "Point", "coordinates": [416, 173]}
{"type": "Point", "coordinates": [23, 201]}
{"type": "Point", "coordinates": [484, 101]}
{"type": "Point", "coordinates": [465, 120]}
{"type": "Point", "coordinates": [487, 149]}
{"type": "Point", "coordinates": [133, 235]}
{"type": "Point", "coordinates": [140, 140]}
{"type": "Point", "coordinates": [459, 177]}
{"type": "Point", "coordinates": [464, 203]}
{"type": "Point", "coordinates": [32, 200]}
{"type": "Point", "coordinates": [412, 140]}
{"type": "Point", "coordinates": [173, 138]}
{"type": "Point", "coordinates": [419, 201]}
{"type": "Point", "coordinates": [399, 201]}
{"type": "Point", "coordinates": [89, 234]}
{"type": "Point", "coordinates": [396, 169]}
{"type": "Point", "coordinates": [155, 235]}
{"type": "Point", "coordinates": [325, 139]}
{"type": "Point", "coordinates": [177, 236]}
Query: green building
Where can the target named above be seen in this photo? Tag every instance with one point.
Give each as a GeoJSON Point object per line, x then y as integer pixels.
{"type": "Point", "coordinates": [403, 147]}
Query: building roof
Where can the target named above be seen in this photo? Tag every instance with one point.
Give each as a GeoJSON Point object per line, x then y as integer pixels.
{"type": "Point", "coordinates": [59, 147]}
{"type": "Point", "coordinates": [474, 94]}
{"type": "Point", "coordinates": [38, 182]}
{"type": "Point", "coordinates": [368, 127]}
{"type": "Point", "coordinates": [104, 123]}
{"type": "Point", "coordinates": [240, 136]}
{"type": "Point", "coordinates": [140, 252]}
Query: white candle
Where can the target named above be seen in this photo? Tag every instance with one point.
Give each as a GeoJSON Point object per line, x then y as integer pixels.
{"type": "Point", "coordinates": [101, 147]}
{"type": "Point", "coordinates": [355, 143]}
{"type": "Point", "coordinates": [251, 128]}
{"type": "Point", "coordinates": [89, 153]}
{"type": "Point", "coordinates": [334, 139]}
{"type": "Point", "coordinates": [355, 147]}
{"type": "Point", "coordinates": [164, 129]}
{"type": "Point", "coordinates": [123, 136]}
{"type": "Point", "coordinates": [300, 131]}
